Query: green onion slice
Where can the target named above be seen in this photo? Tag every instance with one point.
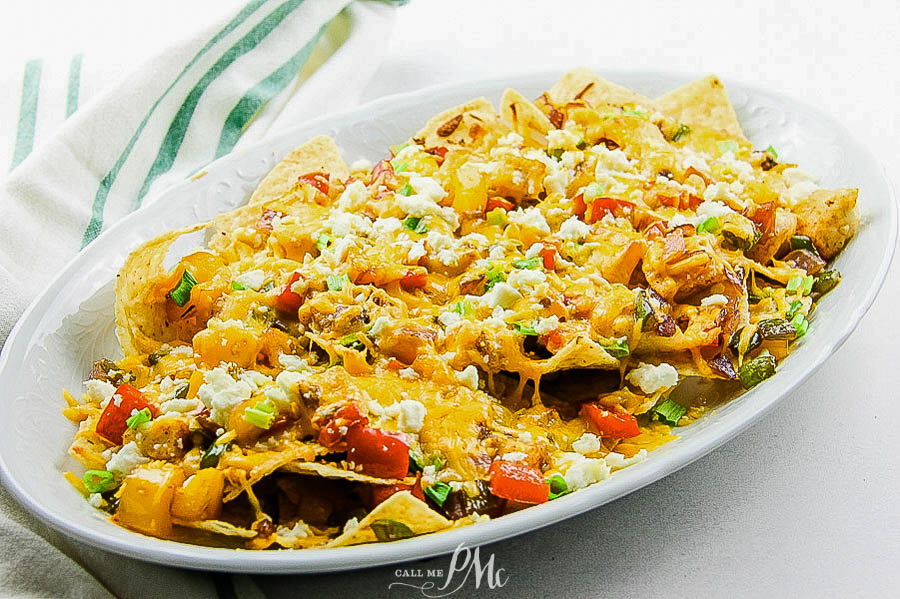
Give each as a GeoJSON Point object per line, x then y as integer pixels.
{"type": "Point", "coordinates": [807, 284]}
{"type": "Point", "coordinates": [406, 190]}
{"type": "Point", "coordinates": [794, 283]}
{"type": "Point", "coordinates": [99, 481]}
{"type": "Point", "coordinates": [496, 217]}
{"type": "Point", "coordinates": [261, 415]}
{"type": "Point", "coordinates": [710, 225]}
{"type": "Point", "coordinates": [792, 309]}
{"type": "Point", "coordinates": [322, 241]}
{"type": "Point", "coordinates": [182, 292]}
{"type": "Point", "coordinates": [438, 492]}
{"type": "Point", "coordinates": [682, 131]}
{"type": "Point", "coordinates": [461, 307]}
{"type": "Point", "coordinates": [139, 418]}
{"type": "Point", "coordinates": [396, 149]}
{"type": "Point", "coordinates": [210, 457]}
{"type": "Point", "coordinates": [352, 341]}
{"type": "Point", "coordinates": [755, 371]}
{"type": "Point", "coordinates": [391, 530]}
{"type": "Point", "coordinates": [618, 349]}
{"type": "Point", "coordinates": [494, 276]}
{"type": "Point", "coordinates": [670, 411]}
{"type": "Point", "coordinates": [528, 263]}
{"type": "Point", "coordinates": [800, 324]}
{"type": "Point", "coordinates": [558, 486]}
{"type": "Point", "coordinates": [416, 224]}
{"type": "Point", "coordinates": [238, 286]}
{"type": "Point", "coordinates": [336, 283]}
{"type": "Point", "coordinates": [525, 329]}
{"type": "Point", "coordinates": [771, 150]}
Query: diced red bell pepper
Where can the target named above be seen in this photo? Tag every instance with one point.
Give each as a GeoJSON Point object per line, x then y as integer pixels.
{"type": "Point", "coordinates": [378, 453]}
{"type": "Point", "coordinates": [548, 255]}
{"type": "Point", "coordinates": [518, 481]}
{"type": "Point", "coordinates": [580, 206]}
{"type": "Point", "coordinates": [553, 341]}
{"type": "Point", "coordinates": [112, 423]}
{"type": "Point", "coordinates": [414, 280]}
{"type": "Point", "coordinates": [438, 152]}
{"type": "Point", "coordinates": [382, 492]}
{"type": "Point", "coordinates": [615, 423]}
{"type": "Point", "coordinates": [683, 201]}
{"type": "Point", "coordinates": [600, 207]}
{"type": "Point", "coordinates": [318, 179]}
{"type": "Point", "coordinates": [288, 300]}
{"type": "Point", "coordinates": [332, 434]}
{"type": "Point", "coordinates": [497, 202]}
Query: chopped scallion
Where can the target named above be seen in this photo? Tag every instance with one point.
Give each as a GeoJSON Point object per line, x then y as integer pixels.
{"type": "Point", "coordinates": [182, 292]}
{"type": "Point", "coordinates": [99, 481]}
{"type": "Point", "coordinates": [139, 418]}
{"type": "Point", "coordinates": [670, 412]}
{"type": "Point", "coordinates": [771, 150]}
{"type": "Point", "coordinates": [493, 276]}
{"type": "Point", "coordinates": [525, 329]}
{"type": "Point", "coordinates": [438, 492]}
{"type": "Point", "coordinates": [416, 224]}
{"type": "Point", "coordinates": [807, 284]}
{"type": "Point", "coordinates": [352, 341]}
{"type": "Point", "coordinates": [792, 309]}
{"type": "Point", "coordinates": [618, 349]}
{"type": "Point", "coordinates": [396, 149]}
{"type": "Point", "coordinates": [682, 131]}
{"type": "Point", "coordinates": [322, 241]}
{"type": "Point", "coordinates": [210, 457]}
{"type": "Point", "coordinates": [238, 286]}
{"type": "Point", "coordinates": [528, 263]}
{"type": "Point", "coordinates": [496, 217]}
{"type": "Point", "coordinates": [794, 283]}
{"type": "Point", "coordinates": [406, 190]}
{"type": "Point", "coordinates": [336, 283]}
{"type": "Point", "coordinates": [638, 113]}
{"type": "Point", "coordinates": [800, 324]}
{"type": "Point", "coordinates": [710, 225]}
{"type": "Point", "coordinates": [261, 415]}
{"type": "Point", "coordinates": [558, 486]}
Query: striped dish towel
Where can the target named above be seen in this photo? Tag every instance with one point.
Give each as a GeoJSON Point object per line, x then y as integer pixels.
{"type": "Point", "coordinates": [80, 158]}
{"type": "Point", "coordinates": [268, 66]}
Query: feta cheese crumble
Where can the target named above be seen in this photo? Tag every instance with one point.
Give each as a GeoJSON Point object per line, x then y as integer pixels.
{"type": "Point", "coordinates": [652, 378]}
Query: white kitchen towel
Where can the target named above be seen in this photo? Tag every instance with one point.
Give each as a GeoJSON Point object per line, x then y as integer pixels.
{"type": "Point", "coordinates": [196, 101]}
{"type": "Point", "coordinates": [80, 161]}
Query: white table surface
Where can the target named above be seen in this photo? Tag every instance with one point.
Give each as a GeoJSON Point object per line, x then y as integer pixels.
{"type": "Point", "coordinates": [804, 504]}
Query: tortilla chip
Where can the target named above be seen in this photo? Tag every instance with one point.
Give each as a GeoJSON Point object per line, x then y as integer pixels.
{"type": "Point", "coordinates": [329, 471]}
{"type": "Point", "coordinates": [462, 126]}
{"type": "Point", "coordinates": [582, 84]}
{"type": "Point", "coordinates": [320, 154]}
{"type": "Point", "coordinates": [253, 467]}
{"type": "Point", "coordinates": [217, 526]}
{"type": "Point", "coordinates": [401, 508]}
{"type": "Point", "coordinates": [702, 102]}
{"type": "Point", "coordinates": [142, 326]}
{"type": "Point", "coordinates": [523, 115]}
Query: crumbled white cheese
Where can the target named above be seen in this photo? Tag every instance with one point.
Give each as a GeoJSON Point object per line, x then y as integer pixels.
{"type": "Point", "coordinates": [338, 251]}
{"type": "Point", "coordinates": [416, 251]}
{"type": "Point", "coordinates": [651, 378]}
{"type": "Point", "coordinates": [468, 377]}
{"type": "Point", "coordinates": [256, 380]}
{"type": "Point", "coordinates": [556, 181]}
{"type": "Point", "coordinates": [476, 239]}
{"type": "Point", "coordinates": [530, 218]}
{"type": "Point", "coordinates": [96, 500]}
{"type": "Point", "coordinates": [299, 531]}
{"type": "Point", "coordinates": [514, 456]}
{"type": "Point", "coordinates": [221, 394]}
{"type": "Point", "coordinates": [179, 406]}
{"type": "Point", "coordinates": [497, 252]}
{"type": "Point", "coordinates": [501, 294]}
{"type": "Point", "coordinates": [383, 226]}
{"type": "Point", "coordinates": [378, 325]}
{"type": "Point", "coordinates": [292, 362]}
{"type": "Point", "coordinates": [572, 159]}
{"type": "Point", "coordinates": [351, 525]}
{"type": "Point", "coordinates": [610, 161]}
{"type": "Point", "coordinates": [425, 201]}
{"type": "Point", "coordinates": [587, 443]}
{"type": "Point", "coordinates": [678, 220]}
{"type": "Point", "coordinates": [743, 170]}
{"type": "Point", "coordinates": [534, 250]}
{"type": "Point", "coordinates": [717, 191]}
{"type": "Point", "coordinates": [286, 389]}
{"type": "Point", "coordinates": [99, 391]}
{"type": "Point", "coordinates": [526, 280]}
{"type": "Point", "coordinates": [799, 185]}
{"type": "Point", "coordinates": [512, 139]}
{"type": "Point", "coordinates": [126, 459]}
{"type": "Point", "coordinates": [353, 198]}
{"type": "Point", "coordinates": [408, 373]}
{"type": "Point", "coordinates": [617, 460]}
{"type": "Point", "coordinates": [545, 325]}
{"type": "Point", "coordinates": [344, 223]}
{"type": "Point", "coordinates": [579, 471]}
{"type": "Point", "coordinates": [717, 299]}
{"type": "Point", "coordinates": [252, 280]}
{"type": "Point", "coordinates": [712, 209]}
{"type": "Point", "coordinates": [448, 319]}
{"type": "Point", "coordinates": [411, 417]}
{"type": "Point", "coordinates": [574, 229]}
{"type": "Point", "coordinates": [692, 159]}
{"type": "Point", "coordinates": [562, 138]}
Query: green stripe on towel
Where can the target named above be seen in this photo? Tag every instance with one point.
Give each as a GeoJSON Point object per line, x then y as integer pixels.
{"type": "Point", "coordinates": [95, 225]}
{"type": "Point", "coordinates": [74, 84]}
{"type": "Point", "coordinates": [253, 101]}
{"type": "Point", "coordinates": [31, 85]}
{"type": "Point", "coordinates": [177, 130]}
